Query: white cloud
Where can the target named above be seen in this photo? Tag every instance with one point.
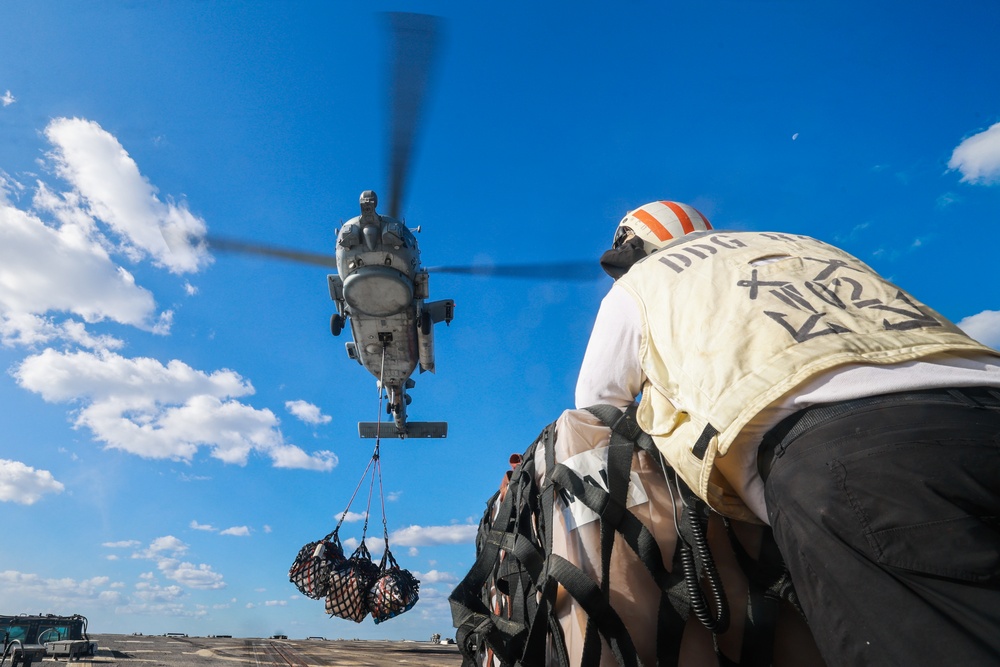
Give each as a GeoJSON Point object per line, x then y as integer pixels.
{"type": "Point", "coordinates": [946, 200]}
{"type": "Point", "coordinates": [177, 609]}
{"type": "Point", "coordinates": [276, 603]}
{"type": "Point", "coordinates": [307, 412]}
{"type": "Point", "coordinates": [60, 595]}
{"type": "Point", "coordinates": [350, 517]}
{"type": "Point", "coordinates": [162, 545]}
{"type": "Point", "coordinates": [57, 257]}
{"type": "Point", "coordinates": [978, 157]}
{"type": "Point", "coordinates": [193, 576]}
{"type": "Point", "coordinates": [424, 536]}
{"type": "Point", "coordinates": [112, 189]}
{"type": "Point", "coordinates": [22, 484]}
{"type": "Point", "coordinates": [164, 552]}
{"type": "Point", "coordinates": [984, 327]}
{"type": "Point", "coordinates": [43, 270]}
{"type": "Point", "coordinates": [375, 545]}
{"type": "Point", "coordinates": [159, 411]}
{"type": "Point", "coordinates": [194, 525]}
{"type": "Point", "coordinates": [122, 544]}
{"type": "Point", "coordinates": [152, 593]}
{"type": "Point", "coordinates": [238, 531]}
{"type": "Point", "coordinates": [290, 456]}
{"type": "Point", "coordinates": [435, 577]}
{"type": "Point", "coordinates": [7, 99]}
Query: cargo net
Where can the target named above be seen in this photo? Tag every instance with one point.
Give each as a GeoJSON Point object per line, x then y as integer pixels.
{"type": "Point", "coordinates": [355, 586]}
{"type": "Point", "coordinates": [394, 591]}
{"type": "Point", "coordinates": [349, 585]}
{"type": "Point", "coordinates": [311, 570]}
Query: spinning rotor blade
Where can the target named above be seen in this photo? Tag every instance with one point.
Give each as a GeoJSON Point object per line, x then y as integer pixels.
{"type": "Point", "coordinates": [233, 245]}
{"type": "Point", "coordinates": [414, 39]}
{"type": "Point", "coordinates": [579, 270]}
{"type": "Point", "coordinates": [571, 271]}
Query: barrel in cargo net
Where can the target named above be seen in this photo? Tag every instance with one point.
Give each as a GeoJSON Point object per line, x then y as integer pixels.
{"type": "Point", "coordinates": [311, 570]}
{"type": "Point", "coordinates": [350, 582]}
{"type": "Point", "coordinates": [395, 590]}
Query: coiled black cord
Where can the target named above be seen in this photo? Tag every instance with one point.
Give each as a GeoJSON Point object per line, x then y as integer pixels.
{"type": "Point", "coordinates": [719, 622]}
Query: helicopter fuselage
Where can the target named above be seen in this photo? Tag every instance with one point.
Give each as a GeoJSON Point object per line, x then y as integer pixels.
{"type": "Point", "coordinates": [381, 289]}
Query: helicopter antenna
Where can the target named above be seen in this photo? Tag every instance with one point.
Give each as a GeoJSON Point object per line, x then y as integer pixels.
{"type": "Point", "coordinates": [415, 39]}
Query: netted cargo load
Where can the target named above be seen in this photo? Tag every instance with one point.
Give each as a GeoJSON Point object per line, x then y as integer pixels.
{"type": "Point", "coordinates": [349, 585]}
{"type": "Point", "coordinates": [394, 591]}
{"type": "Point", "coordinates": [356, 587]}
{"type": "Point", "coordinates": [310, 572]}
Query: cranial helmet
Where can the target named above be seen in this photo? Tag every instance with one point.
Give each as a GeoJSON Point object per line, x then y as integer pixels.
{"type": "Point", "coordinates": [657, 223]}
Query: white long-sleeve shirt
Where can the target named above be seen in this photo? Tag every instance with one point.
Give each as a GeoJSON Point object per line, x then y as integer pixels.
{"type": "Point", "coordinates": [612, 373]}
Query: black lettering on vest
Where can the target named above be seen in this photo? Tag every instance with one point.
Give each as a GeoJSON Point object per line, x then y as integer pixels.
{"type": "Point", "coordinates": [727, 242]}
{"type": "Point", "coordinates": [793, 297]}
{"type": "Point", "coordinates": [831, 266]}
{"type": "Point", "coordinates": [673, 255]}
{"type": "Point", "coordinates": [777, 237]}
{"type": "Point", "coordinates": [755, 284]}
{"type": "Point", "coordinates": [808, 330]}
{"type": "Point", "coordinates": [678, 269]}
{"type": "Point", "coordinates": [694, 250]}
{"type": "Point", "coordinates": [856, 290]}
{"type": "Point", "coordinates": [826, 294]}
{"type": "Point", "coordinates": [918, 319]}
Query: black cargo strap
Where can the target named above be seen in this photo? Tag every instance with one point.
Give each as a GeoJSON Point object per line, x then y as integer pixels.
{"type": "Point", "coordinates": [514, 551]}
{"type": "Point", "coordinates": [473, 618]}
{"type": "Point", "coordinates": [765, 577]}
{"type": "Point", "coordinates": [612, 508]}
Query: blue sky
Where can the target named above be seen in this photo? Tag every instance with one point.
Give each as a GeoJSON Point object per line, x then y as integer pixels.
{"type": "Point", "coordinates": [175, 426]}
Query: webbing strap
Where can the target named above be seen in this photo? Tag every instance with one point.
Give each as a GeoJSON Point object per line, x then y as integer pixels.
{"type": "Point", "coordinates": [625, 436]}
{"type": "Point", "coordinates": [599, 610]}
{"type": "Point", "coordinates": [765, 579]}
{"type": "Point", "coordinates": [474, 619]}
{"type": "Point", "coordinates": [530, 572]}
{"type": "Point", "coordinates": [636, 535]}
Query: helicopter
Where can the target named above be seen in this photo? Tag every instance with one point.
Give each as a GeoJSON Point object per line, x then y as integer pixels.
{"type": "Point", "coordinates": [381, 290]}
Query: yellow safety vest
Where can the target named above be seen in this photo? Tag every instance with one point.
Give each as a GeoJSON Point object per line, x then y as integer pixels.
{"type": "Point", "coordinates": [733, 321]}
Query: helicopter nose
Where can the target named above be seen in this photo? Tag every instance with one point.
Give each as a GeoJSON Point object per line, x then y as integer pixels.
{"type": "Point", "coordinates": [377, 291]}
{"type": "Point", "coordinates": [370, 233]}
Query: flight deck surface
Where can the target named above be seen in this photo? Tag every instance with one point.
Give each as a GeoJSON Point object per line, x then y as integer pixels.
{"type": "Point", "coordinates": [154, 651]}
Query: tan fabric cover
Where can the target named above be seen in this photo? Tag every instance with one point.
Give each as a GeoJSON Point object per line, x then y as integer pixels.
{"type": "Point", "coordinates": [633, 593]}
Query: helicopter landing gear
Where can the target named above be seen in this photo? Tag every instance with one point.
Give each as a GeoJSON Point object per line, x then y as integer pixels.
{"type": "Point", "coordinates": [336, 324]}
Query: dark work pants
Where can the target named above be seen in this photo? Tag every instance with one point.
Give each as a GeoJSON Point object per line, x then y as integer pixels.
{"type": "Point", "coordinates": [888, 516]}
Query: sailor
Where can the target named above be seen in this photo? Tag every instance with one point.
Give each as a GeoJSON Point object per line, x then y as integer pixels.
{"type": "Point", "coordinates": [788, 383]}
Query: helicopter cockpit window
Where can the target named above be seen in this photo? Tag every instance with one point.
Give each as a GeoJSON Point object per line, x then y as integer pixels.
{"type": "Point", "coordinates": [351, 236]}
{"type": "Point", "coordinates": [392, 236]}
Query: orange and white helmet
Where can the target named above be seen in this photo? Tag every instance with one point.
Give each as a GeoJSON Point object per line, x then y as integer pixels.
{"type": "Point", "coordinates": [658, 222]}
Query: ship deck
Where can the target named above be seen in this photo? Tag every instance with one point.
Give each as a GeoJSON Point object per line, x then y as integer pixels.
{"type": "Point", "coordinates": [154, 651]}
